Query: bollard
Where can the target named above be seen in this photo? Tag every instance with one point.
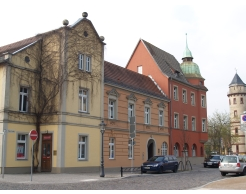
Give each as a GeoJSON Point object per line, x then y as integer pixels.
{"type": "Point", "coordinates": [121, 171]}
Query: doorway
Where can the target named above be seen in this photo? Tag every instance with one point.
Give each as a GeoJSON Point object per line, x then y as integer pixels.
{"type": "Point", "coordinates": [151, 148]}
{"type": "Point", "coordinates": [46, 157]}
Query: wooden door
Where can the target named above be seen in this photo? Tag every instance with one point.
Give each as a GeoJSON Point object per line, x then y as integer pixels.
{"type": "Point", "coordinates": [46, 157]}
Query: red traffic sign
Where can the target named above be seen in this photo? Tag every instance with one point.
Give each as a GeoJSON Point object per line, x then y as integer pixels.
{"type": "Point", "coordinates": [33, 135]}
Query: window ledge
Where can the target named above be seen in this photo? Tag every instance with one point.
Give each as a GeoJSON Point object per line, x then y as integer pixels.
{"type": "Point", "coordinates": [82, 160]}
{"type": "Point", "coordinates": [83, 112]}
{"type": "Point", "coordinates": [111, 158]}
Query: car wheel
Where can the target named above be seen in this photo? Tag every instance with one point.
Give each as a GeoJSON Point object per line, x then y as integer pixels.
{"type": "Point", "coordinates": [175, 169]}
{"type": "Point", "coordinates": [223, 173]}
{"type": "Point", "coordinates": [160, 170]}
{"type": "Point", "coordinates": [244, 172]}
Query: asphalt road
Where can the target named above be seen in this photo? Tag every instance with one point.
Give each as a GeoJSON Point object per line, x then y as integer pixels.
{"type": "Point", "coordinates": [185, 180]}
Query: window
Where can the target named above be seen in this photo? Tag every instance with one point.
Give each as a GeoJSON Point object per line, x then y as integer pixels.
{"type": "Point", "coordinates": [241, 100]}
{"type": "Point", "coordinates": [130, 111]}
{"type": "Point", "coordinates": [88, 64]}
{"type": "Point", "coordinates": [111, 148]}
{"type": "Point", "coordinates": [193, 123]}
{"type": "Point", "coordinates": [160, 117]}
{"type": "Point", "coordinates": [192, 99]}
{"type": "Point", "coordinates": [83, 100]}
{"type": "Point", "coordinates": [21, 146]}
{"type": "Point", "coordinates": [164, 148]}
{"type": "Point", "coordinates": [130, 147]}
{"type": "Point", "coordinates": [193, 150]}
{"type": "Point", "coordinates": [184, 96]}
{"type": "Point", "coordinates": [176, 150]}
{"type": "Point", "coordinates": [111, 108]}
{"type": "Point", "coordinates": [185, 123]}
{"type": "Point", "coordinates": [236, 131]}
{"type": "Point", "coordinates": [83, 59]}
{"type": "Point", "coordinates": [234, 101]}
{"type": "Point", "coordinates": [235, 113]}
{"type": "Point", "coordinates": [203, 125]}
{"type": "Point", "coordinates": [186, 150]}
{"type": "Point", "coordinates": [175, 93]}
{"type": "Point", "coordinates": [176, 117]}
{"type": "Point", "coordinates": [82, 147]}
{"type": "Point", "coordinates": [147, 115]}
{"type": "Point", "coordinates": [140, 69]}
{"type": "Point", "coordinates": [23, 99]}
{"type": "Point", "coordinates": [203, 103]}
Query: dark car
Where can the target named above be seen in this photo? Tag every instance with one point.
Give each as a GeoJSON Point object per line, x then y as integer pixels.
{"type": "Point", "coordinates": [160, 164]}
{"type": "Point", "coordinates": [213, 161]}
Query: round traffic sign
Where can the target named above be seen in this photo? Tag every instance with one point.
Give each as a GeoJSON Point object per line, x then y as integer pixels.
{"type": "Point", "coordinates": [33, 135]}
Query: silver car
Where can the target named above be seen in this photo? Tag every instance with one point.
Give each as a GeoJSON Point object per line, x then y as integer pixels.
{"type": "Point", "coordinates": [233, 164]}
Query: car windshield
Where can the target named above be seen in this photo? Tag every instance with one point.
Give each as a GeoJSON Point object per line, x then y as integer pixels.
{"type": "Point", "coordinates": [230, 159]}
{"type": "Point", "coordinates": [215, 157]}
{"type": "Point", "coordinates": [156, 158]}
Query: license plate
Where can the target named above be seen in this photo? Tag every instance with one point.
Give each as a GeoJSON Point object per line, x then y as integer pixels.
{"type": "Point", "coordinates": [209, 163]}
{"type": "Point", "coordinates": [146, 167]}
{"type": "Point", "coordinates": [228, 165]}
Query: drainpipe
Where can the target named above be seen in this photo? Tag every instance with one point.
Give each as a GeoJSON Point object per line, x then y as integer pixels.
{"type": "Point", "coordinates": [170, 117]}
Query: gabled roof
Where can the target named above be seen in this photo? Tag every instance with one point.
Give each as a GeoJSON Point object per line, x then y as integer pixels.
{"type": "Point", "coordinates": [236, 80]}
{"type": "Point", "coordinates": [20, 45]}
{"type": "Point", "coordinates": [127, 79]}
{"type": "Point", "coordinates": [166, 62]}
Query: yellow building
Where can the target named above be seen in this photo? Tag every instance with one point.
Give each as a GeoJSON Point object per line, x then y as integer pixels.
{"type": "Point", "coordinates": [52, 83]}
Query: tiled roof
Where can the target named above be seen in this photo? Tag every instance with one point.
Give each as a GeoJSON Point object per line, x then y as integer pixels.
{"type": "Point", "coordinates": [11, 48]}
{"type": "Point", "coordinates": [125, 78]}
{"type": "Point", "coordinates": [237, 80]}
{"type": "Point", "coordinates": [167, 62]}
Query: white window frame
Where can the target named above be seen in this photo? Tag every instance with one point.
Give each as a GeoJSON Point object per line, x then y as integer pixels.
{"type": "Point", "coordinates": [83, 97]}
{"type": "Point", "coordinates": [164, 148]}
{"type": "Point", "coordinates": [21, 148]}
{"type": "Point", "coordinates": [175, 92]}
{"type": "Point", "coordinates": [193, 123]}
{"type": "Point", "coordinates": [176, 120]}
{"type": "Point", "coordinates": [130, 111]}
{"type": "Point", "coordinates": [111, 108]}
{"type": "Point", "coordinates": [204, 125]}
{"type": "Point", "coordinates": [192, 99]}
{"type": "Point", "coordinates": [140, 69]}
{"type": "Point", "coordinates": [111, 148]}
{"type": "Point", "coordinates": [130, 149]}
{"type": "Point", "coordinates": [184, 96]}
{"type": "Point", "coordinates": [88, 64]}
{"type": "Point", "coordinates": [82, 145]}
{"type": "Point", "coordinates": [193, 150]}
{"type": "Point", "coordinates": [185, 122]}
{"type": "Point", "coordinates": [203, 101]}
{"type": "Point", "coordinates": [81, 61]}
{"type": "Point", "coordinates": [176, 150]}
{"type": "Point", "coordinates": [23, 98]}
{"type": "Point", "coordinates": [161, 117]}
{"type": "Point", "coordinates": [147, 115]}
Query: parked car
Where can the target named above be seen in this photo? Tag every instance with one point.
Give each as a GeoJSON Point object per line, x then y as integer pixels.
{"type": "Point", "coordinates": [233, 164]}
{"type": "Point", "coordinates": [213, 161]}
{"type": "Point", "coordinates": [160, 164]}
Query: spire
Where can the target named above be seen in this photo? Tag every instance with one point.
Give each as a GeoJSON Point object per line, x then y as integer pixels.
{"type": "Point", "coordinates": [236, 80]}
{"type": "Point", "coordinates": [187, 52]}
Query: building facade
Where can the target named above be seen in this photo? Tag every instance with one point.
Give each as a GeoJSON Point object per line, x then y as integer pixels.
{"type": "Point", "coordinates": [52, 83]}
{"type": "Point", "coordinates": [128, 94]}
{"type": "Point", "coordinates": [184, 85]}
{"type": "Point", "coordinates": [237, 99]}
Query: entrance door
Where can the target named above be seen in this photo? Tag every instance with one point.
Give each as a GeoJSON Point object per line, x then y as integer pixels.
{"type": "Point", "coordinates": [151, 148]}
{"type": "Point", "coordinates": [46, 157]}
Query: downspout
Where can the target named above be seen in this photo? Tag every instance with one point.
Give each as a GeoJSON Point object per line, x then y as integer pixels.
{"type": "Point", "coordinates": [170, 117]}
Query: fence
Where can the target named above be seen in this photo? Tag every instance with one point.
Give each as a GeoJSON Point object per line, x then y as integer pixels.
{"type": "Point", "coordinates": [129, 169]}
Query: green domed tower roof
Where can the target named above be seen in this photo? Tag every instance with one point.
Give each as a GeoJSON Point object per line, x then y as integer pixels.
{"type": "Point", "coordinates": [189, 68]}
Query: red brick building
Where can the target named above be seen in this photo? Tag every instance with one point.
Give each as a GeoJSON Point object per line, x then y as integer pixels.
{"type": "Point", "coordinates": [184, 86]}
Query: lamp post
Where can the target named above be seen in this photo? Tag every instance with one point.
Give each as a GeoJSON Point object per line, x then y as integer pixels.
{"type": "Point", "coordinates": [102, 130]}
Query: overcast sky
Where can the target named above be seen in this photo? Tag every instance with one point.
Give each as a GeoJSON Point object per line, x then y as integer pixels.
{"type": "Point", "coordinates": [216, 32]}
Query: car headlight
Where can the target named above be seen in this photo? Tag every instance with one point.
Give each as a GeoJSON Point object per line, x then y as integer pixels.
{"type": "Point", "coordinates": [142, 165]}
{"type": "Point", "coordinates": [155, 165]}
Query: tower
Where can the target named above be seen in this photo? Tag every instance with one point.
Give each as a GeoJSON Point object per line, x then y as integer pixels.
{"type": "Point", "coordinates": [237, 104]}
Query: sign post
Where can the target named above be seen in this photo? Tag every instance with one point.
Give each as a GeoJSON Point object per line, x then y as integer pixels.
{"type": "Point", "coordinates": [33, 135]}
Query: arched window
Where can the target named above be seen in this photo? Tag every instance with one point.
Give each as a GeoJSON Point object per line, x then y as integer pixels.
{"type": "Point", "coordinates": [193, 150]}
{"type": "Point", "coordinates": [186, 149]}
{"type": "Point", "coordinates": [176, 150]}
{"type": "Point", "coordinates": [164, 148]}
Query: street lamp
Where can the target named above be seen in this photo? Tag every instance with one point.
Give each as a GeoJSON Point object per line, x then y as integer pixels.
{"type": "Point", "coordinates": [102, 130]}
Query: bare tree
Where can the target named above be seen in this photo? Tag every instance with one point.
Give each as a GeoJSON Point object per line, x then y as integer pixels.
{"type": "Point", "coordinates": [52, 67]}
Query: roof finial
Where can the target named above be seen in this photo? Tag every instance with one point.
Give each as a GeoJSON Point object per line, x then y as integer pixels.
{"type": "Point", "coordinates": [236, 70]}
{"type": "Point", "coordinates": [186, 40]}
{"type": "Point", "coordinates": [187, 52]}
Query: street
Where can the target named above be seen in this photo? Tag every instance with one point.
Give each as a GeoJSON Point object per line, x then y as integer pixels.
{"type": "Point", "coordinates": [150, 181]}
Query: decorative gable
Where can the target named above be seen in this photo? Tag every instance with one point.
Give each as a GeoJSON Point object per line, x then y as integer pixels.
{"type": "Point", "coordinates": [161, 105]}
{"type": "Point", "coordinates": [113, 92]}
{"type": "Point", "coordinates": [132, 97]}
{"type": "Point", "coordinates": [147, 101]}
